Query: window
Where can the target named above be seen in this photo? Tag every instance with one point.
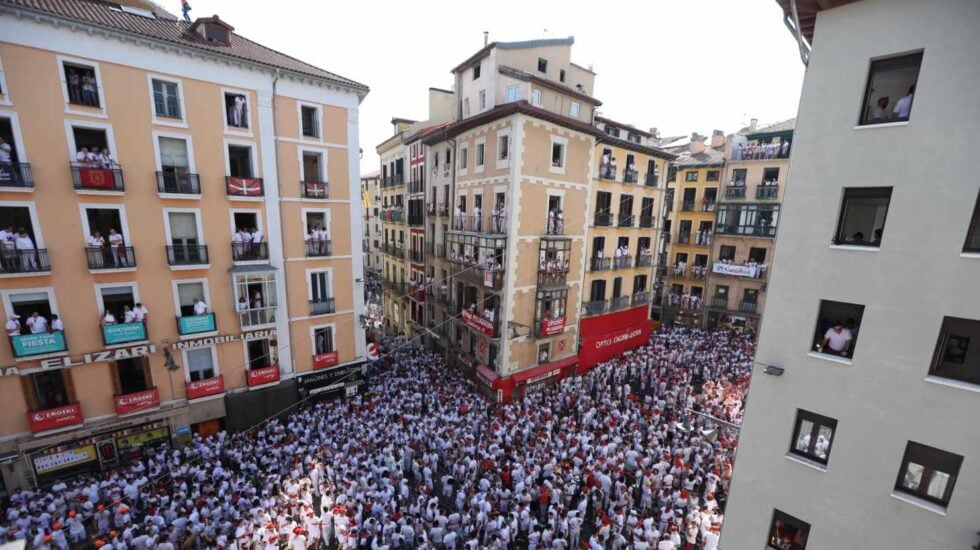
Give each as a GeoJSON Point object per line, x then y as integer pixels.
{"type": "Point", "coordinates": [928, 473]}
{"type": "Point", "coordinates": [310, 117]}
{"type": "Point", "coordinates": [561, 75]}
{"type": "Point", "coordinates": [503, 147]}
{"type": "Point", "coordinates": [236, 110]}
{"type": "Point", "coordinates": [542, 65]}
{"type": "Point", "coordinates": [480, 149]}
{"type": "Point", "coordinates": [476, 71]}
{"type": "Point", "coordinates": [612, 131]}
{"type": "Point", "coordinates": [957, 355]}
{"type": "Point", "coordinates": [483, 99]}
{"type": "Point", "coordinates": [862, 216]}
{"type": "Point", "coordinates": [738, 176]}
{"type": "Point", "coordinates": [536, 98]}
{"type": "Point", "coordinates": [323, 340]}
{"type": "Point", "coordinates": [973, 234]}
{"type": "Point", "coordinates": [513, 92]}
{"type": "Point", "coordinates": [837, 328]}
{"type": "Point", "coordinates": [557, 155]}
{"type": "Point", "coordinates": [787, 532]}
{"type": "Point", "coordinates": [83, 85]}
{"type": "Point", "coordinates": [255, 298]}
{"type": "Point", "coordinates": [192, 298]}
{"type": "Point", "coordinates": [691, 176]}
{"type": "Point", "coordinates": [200, 364]}
{"type": "Point", "coordinates": [462, 158]}
{"type": "Point", "coordinates": [574, 109]}
{"type": "Point", "coordinates": [131, 375]}
{"type": "Point", "coordinates": [166, 99]}
{"type": "Point", "coordinates": [712, 175]}
{"type": "Point", "coordinates": [261, 353]}
{"type": "Point", "coordinates": [813, 436]}
{"type": "Point", "coordinates": [240, 161]}
{"type": "Point", "coordinates": [727, 252]}
{"type": "Point", "coordinates": [770, 176]}
{"type": "Point", "coordinates": [49, 390]}
{"type": "Point", "coordinates": [890, 90]}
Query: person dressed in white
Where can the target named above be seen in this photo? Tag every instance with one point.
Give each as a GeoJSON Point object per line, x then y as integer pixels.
{"type": "Point", "coordinates": [477, 219]}
{"type": "Point", "coordinates": [108, 318]}
{"type": "Point", "coordinates": [837, 340]}
{"type": "Point", "coordinates": [256, 239]}
{"type": "Point", "coordinates": [118, 248]}
{"type": "Point", "coordinates": [238, 244]}
{"type": "Point", "coordinates": [13, 325]}
{"type": "Point", "coordinates": [27, 251]}
{"type": "Point", "coordinates": [37, 323]}
{"type": "Point", "coordinates": [140, 312]}
{"type": "Point", "coordinates": [129, 316]}
{"type": "Point", "coordinates": [57, 325]}
{"type": "Point", "coordinates": [903, 107]}
{"type": "Point", "coordinates": [200, 307]}
{"type": "Point", "coordinates": [238, 112]}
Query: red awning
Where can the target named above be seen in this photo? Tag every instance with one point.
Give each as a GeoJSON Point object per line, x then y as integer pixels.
{"type": "Point", "coordinates": [545, 368]}
{"type": "Point", "coordinates": [487, 374]}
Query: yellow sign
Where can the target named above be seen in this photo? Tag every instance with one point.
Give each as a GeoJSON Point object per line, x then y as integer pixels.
{"type": "Point", "coordinates": [141, 438]}
{"type": "Point", "coordinates": [64, 459]}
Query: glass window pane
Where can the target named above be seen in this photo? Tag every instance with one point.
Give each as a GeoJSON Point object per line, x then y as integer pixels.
{"type": "Point", "coordinates": [913, 476]}
{"type": "Point", "coordinates": [822, 446]}
{"type": "Point", "coordinates": [937, 484]}
{"type": "Point", "coordinates": [803, 440]}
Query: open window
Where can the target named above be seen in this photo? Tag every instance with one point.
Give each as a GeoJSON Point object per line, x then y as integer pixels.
{"type": "Point", "coordinates": [314, 185]}
{"type": "Point", "coordinates": [787, 532]}
{"type": "Point", "coordinates": [862, 216]}
{"type": "Point", "coordinates": [261, 353]}
{"type": "Point", "coordinates": [890, 90]}
{"type": "Point", "coordinates": [106, 239]}
{"type": "Point", "coordinates": [200, 364]}
{"type": "Point", "coordinates": [94, 168]}
{"type": "Point", "coordinates": [175, 174]}
{"type": "Point", "coordinates": [123, 319]}
{"type": "Point", "coordinates": [317, 224]}
{"type": "Point", "coordinates": [240, 161]}
{"type": "Point", "coordinates": [557, 154]}
{"type": "Point", "coordinates": [27, 253]}
{"type": "Point", "coordinates": [195, 315]}
{"type": "Point", "coordinates": [813, 436]}
{"type": "Point", "coordinates": [726, 253]}
{"type": "Point", "coordinates": [41, 330]}
{"type": "Point", "coordinates": [131, 375]}
{"type": "Point", "coordinates": [255, 298]}
{"type": "Point", "coordinates": [838, 324]}
{"type": "Point", "coordinates": [310, 121]}
{"type": "Point", "coordinates": [236, 109]}
{"type": "Point", "coordinates": [14, 171]}
{"type": "Point", "coordinates": [48, 389]}
{"type": "Point", "coordinates": [928, 473]}
{"type": "Point", "coordinates": [83, 84]}
{"type": "Point", "coordinates": [957, 354]}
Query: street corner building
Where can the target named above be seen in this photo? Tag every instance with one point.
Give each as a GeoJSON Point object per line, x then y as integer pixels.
{"type": "Point", "coordinates": [518, 227]}
{"type": "Point", "coordinates": [176, 205]}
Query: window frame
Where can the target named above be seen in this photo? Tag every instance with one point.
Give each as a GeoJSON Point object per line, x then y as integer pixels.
{"type": "Point", "coordinates": [787, 519]}
{"type": "Point", "coordinates": [691, 175]}
{"type": "Point", "coordinates": [300, 105]}
{"type": "Point", "coordinates": [563, 142]}
{"type": "Point", "coordinates": [851, 193]}
{"type": "Point", "coordinates": [462, 159]}
{"type": "Point", "coordinates": [574, 109]}
{"type": "Point", "coordinates": [542, 65]}
{"type": "Point", "coordinates": [160, 120]}
{"type": "Point", "coordinates": [476, 70]}
{"type": "Point", "coordinates": [191, 164]}
{"type": "Point", "coordinates": [5, 98]}
{"type": "Point", "coordinates": [941, 348]}
{"type": "Point", "coordinates": [110, 138]}
{"type": "Point", "coordinates": [72, 108]}
{"type": "Point", "coordinates": [482, 99]}
{"type": "Point", "coordinates": [333, 331]}
{"type": "Point", "coordinates": [479, 155]}
{"type": "Point", "coordinates": [818, 421]}
{"type": "Point", "coordinates": [123, 221]}
{"type": "Point", "coordinates": [536, 97]}
{"type": "Point", "coordinates": [35, 221]}
{"type": "Point", "coordinates": [972, 230]}
{"type": "Point", "coordinates": [895, 59]}
{"type": "Point", "coordinates": [920, 454]}
{"type": "Point", "coordinates": [503, 162]}
{"type": "Point", "coordinates": [214, 361]}
{"type": "Point", "coordinates": [234, 130]}
{"type": "Point", "coordinates": [819, 334]}
{"type": "Point", "coordinates": [253, 160]}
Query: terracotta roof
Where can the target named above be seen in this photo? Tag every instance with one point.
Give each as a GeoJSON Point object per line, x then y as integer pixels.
{"type": "Point", "coordinates": [544, 82]}
{"type": "Point", "coordinates": [638, 147]}
{"type": "Point", "coordinates": [105, 15]}
{"type": "Point", "coordinates": [507, 109]}
{"type": "Point", "coordinates": [807, 11]}
{"type": "Point", "coordinates": [709, 157]}
{"type": "Point", "coordinates": [623, 126]}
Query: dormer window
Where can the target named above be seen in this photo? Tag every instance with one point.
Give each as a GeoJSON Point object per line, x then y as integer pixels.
{"type": "Point", "coordinates": [213, 30]}
{"type": "Point", "coordinates": [216, 33]}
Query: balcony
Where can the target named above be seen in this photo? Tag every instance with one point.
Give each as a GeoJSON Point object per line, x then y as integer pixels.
{"type": "Point", "coordinates": [244, 187]}
{"type": "Point", "coordinates": [764, 151]}
{"type": "Point", "coordinates": [110, 257]}
{"type": "Point", "coordinates": [647, 222]}
{"type": "Point", "coordinates": [322, 306]}
{"type": "Point", "coordinates": [196, 324]}
{"type": "Point", "coordinates": [442, 210]}
{"type": "Point", "coordinates": [652, 180]}
{"type": "Point", "coordinates": [175, 183]}
{"type": "Point", "coordinates": [204, 388]}
{"type": "Point", "coordinates": [397, 251]}
{"type": "Point", "coordinates": [644, 260]}
{"type": "Point", "coordinates": [679, 270]}
{"type": "Point", "coordinates": [666, 236]}
{"type": "Point", "coordinates": [749, 270]}
{"type": "Point", "coordinates": [549, 324]}
{"type": "Point", "coordinates": [684, 238]}
{"type": "Point", "coordinates": [630, 176]}
{"type": "Point", "coordinates": [747, 230]}
{"type": "Point", "coordinates": [441, 251]}
{"type": "Point", "coordinates": [311, 127]}
{"type": "Point", "coordinates": [596, 307]}
{"type": "Point", "coordinates": [42, 420]}
{"type": "Point", "coordinates": [698, 272]}
{"type": "Point", "coordinates": [24, 261]}
{"type": "Point", "coordinates": [721, 303]}
{"type": "Point", "coordinates": [735, 191]}
{"type": "Point", "coordinates": [619, 302]}
{"type": "Point", "coordinates": [250, 252]}
{"type": "Point", "coordinates": [702, 238]}
{"type": "Point", "coordinates": [603, 219]}
{"type": "Point", "coordinates": [478, 276]}
{"type": "Point", "coordinates": [416, 256]}
{"type": "Point", "coordinates": [393, 181]}
{"type": "Point", "coordinates": [495, 224]}
{"type": "Point", "coordinates": [709, 206]}
{"type": "Point", "coordinates": [416, 186]}
{"type": "Point", "coordinates": [480, 324]}
{"type": "Point", "coordinates": [625, 221]}
{"type": "Point", "coordinates": [254, 317]}
{"type": "Point", "coordinates": [767, 192]}
{"type": "Point", "coordinates": [123, 333]}
{"type": "Point", "coordinates": [86, 177]}
{"type": "Point", "coordinates": [318, 249]}
{"type": "Point", "coordinates": [607, 172]}
{"type": "Point", "coordinates": [16, 175]}
{"type": "Point", "coordinates": [748, 307]}
{"type": "Point", "coordinates": [314, 189]}
{"type": "Point", "coordinates": [43, 343]}
{"type": "Point", "coordinates": [552, 278]}
{"type": "Point", "coordinates": [623, 262]}
{"type": "Point", "coordinates": [187, 254]}
{"type": "Point", "coordinates": [687, 206]}
{"type": "Point", "coordinates": [641, 298]}
{"type": "Point", "coordinates": [393, 215]}
{"type": "Point", "coordinates": [683, 301]}
{"type": "Point", "coordinates": [600, 264]}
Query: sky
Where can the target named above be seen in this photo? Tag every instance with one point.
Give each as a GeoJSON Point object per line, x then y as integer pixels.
{"type": "Point", "coordinates": [681, 66]}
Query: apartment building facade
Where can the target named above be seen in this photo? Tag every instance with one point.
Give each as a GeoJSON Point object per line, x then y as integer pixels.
{"type": "Point", "coordinates": [181, 168]}
{"type": "Point", "coordinates": [745, 225]}
{"type": "Point", "coordinates": [872, 319]}
{"type": "Point", "coordinates": [371, 240]}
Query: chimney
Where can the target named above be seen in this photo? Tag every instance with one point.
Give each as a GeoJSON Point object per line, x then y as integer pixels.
{"type": "Point", "coordinates": [717, 139]}
{"type": "Point", "coordinates": [697, 144]}
{"type": "Point", "coordinates": [753, 124]}
{"type": "Point", "coordinates": [486, 37]}
{"type": "Point", "coordinates": [655, 132]}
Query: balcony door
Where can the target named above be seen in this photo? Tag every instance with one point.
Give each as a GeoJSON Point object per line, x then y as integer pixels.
{"type": "Point", "coordinates": [240, 161]}
{"type": "Point", "coordinates": [26, 303]}
{"type": "Point", "coordinates": [183, 229]}
{"type": "Point", "coordinates": [115, 299]}
{"type": "Point", "coordinates": [320, 286]}
{"type": "Point", "coordinates": [598, 291]}
{"type": "Point", "coordinates": [313, 167]}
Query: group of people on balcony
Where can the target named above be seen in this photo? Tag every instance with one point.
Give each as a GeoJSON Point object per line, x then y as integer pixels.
{"type": "Point", "coordinates": [761, 151]}
{"type": "Point", "coordinates": [18, 253]}
{"type": "Point", "coordinates": [83, 89]}
{"type": "Point", "coordinates": [390, 212]}
{"type": "Point", "coordinates": [703, 237]}
{"type": "Point", "coordinates": [246, 244]}
{"type": "Point", "coordinates": [621, 259]}
{"type": "Point", "coordinates": [760, 269]}
{"type": "Point", "coordinates": [112, 250]}
{"type": "Point", "coordinates": [608, 167]}
{"type": "Point", "coordinates": [684, 300]}
{"type": "Point", "coordinates": [95, 158]}
{"type": "Point", "coordinates": [553, 265]}
{"type": "Point", "coordinates": [556, 222]}
{"type": "Point", "coordinates": [136, 314]}
{"type": "Point", "coordinates": [35, 324]}
{"type": "Point", "coordinates": [487, 264]}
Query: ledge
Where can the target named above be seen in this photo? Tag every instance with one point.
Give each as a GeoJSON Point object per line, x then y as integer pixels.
{"type": "Point", "coordinates": [882, 125]}
{"type": "Point", "coordinates": [190, 267]}
{"type": "Point", "coordinates": [974, 255]}
{"type": "Point", "coordinates": [855, 248]}
{"type": "Point", "coordinates": [113, 270]}
{"type": "Point", "coordinates": [924, 504]}
{"type": "Point", "coordinates": [831, 358]}
{"type": "Point", "coordinates": [6, 189]}
{"type": "Point", "coordinates": [808, 463]}
{"type": "Point", "coordinates": [940, 381]}
{"type": "Point", "coordinates": [180, 196]}
{"type": "Point", "coordinates": [28, 274]}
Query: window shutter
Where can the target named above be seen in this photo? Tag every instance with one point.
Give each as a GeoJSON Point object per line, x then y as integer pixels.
{"type": "Point", "coordinates": [26, 383]}
{"type": "Point", "coordinates": [69, 383]}
{"type": "Point", "coordinates": [116, 383]}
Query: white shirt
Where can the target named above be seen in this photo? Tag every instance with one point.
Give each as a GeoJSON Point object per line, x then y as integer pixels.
{"type": "Point", "coordinates": [95, 242]}
{"type": "Point", "coordinates": [38, 324]}
{"type": "Point", "coordinates": [109, 318]}
{"type": "Point", "coordinates": [904, 106]}
{"type": "Point", "coordinates": [837, 341]}
{"type": "Point", "coordinates": [57, 324]}
{"type": "Point", "coordinates": [115, 239]}
{"type": "Point", "coordinates": [12, 327]}
{"type": "Point", "coordinates": [129, 316]}
{"type": "Point", "coordinates": [257, 237]}
{"type": "Point", "coordinates": [24, 243]}
{"type": "Point", "coordinates": [140, 312]}
{"type": "Point", "coordinates": [5, 152]}
{"type": "Point", "coordinates": [200, 308]}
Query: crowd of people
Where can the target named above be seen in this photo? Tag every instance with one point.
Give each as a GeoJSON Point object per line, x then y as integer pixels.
{"type": "Point", "coordinates": [635, 453]}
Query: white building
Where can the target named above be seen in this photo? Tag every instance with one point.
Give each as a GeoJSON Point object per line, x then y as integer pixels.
{"type": "Point", "coordinates": [870, 443]}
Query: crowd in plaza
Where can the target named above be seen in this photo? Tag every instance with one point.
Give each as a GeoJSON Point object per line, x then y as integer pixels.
{"type": "Point", "coordinates": [636, 453]}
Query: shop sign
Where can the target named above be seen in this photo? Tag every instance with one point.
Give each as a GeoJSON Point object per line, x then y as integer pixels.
{"type": "Point", "coordinates": [140, 439]}
{"type": "Point", "coordinates": [266, 375]}
{"type": "Point", "coordinates": [137, 401]}
{"type": "Point", "coordinates": [193, 324]}
{"type": "Point", "coordinates": [37, 344]}
{"type": "Point", "coordinates": [480, 323]}
{"type": "Point", "coordinates": [333, 380]}
{"type": "Point", "coordinates": [606, 336]}
{"type": "Point", "coordinates": [544, 376]}
{"type": "Point", "coordinates": [324, 360]}
{"type": "Point", "coordinates": [224, 338]}
{"type": "Point", "coordinates": [551, 327]}
{"type": "Point", "coordinates": [204, 388]}
{"type": "Point", "coordinates": [65, 459]}
{"type": "Point", "coordinates": [123, 333]}
{"type": "Point", "coordinates": [103, 356]}
{"type": "Point", "coordinates": [51, 419]}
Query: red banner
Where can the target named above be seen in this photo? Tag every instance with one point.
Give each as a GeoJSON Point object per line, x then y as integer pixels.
{"type": "Point", "coordinates": [97, 178]}
{"type": "Point", "coordinates": [245, 187]}
{"type": "Point", "coordinates": [139, 401]}
{"type": "Point", "coordinates": [478, 322]}
{"type": "Point", "coordinates": [606, 336]}
{"type": "Point", "coordinates": [51, 419]}
{"type": "Point", "coordinates": [316, 190]}
{"type": "Point", "coordinates": [328, 359]}
{"type": "Point", "coordinates": [204, 388]}
{"type": "Point", "coordinates": [551, 327]}
{"type": "Point", "coordinates": [266, 375]}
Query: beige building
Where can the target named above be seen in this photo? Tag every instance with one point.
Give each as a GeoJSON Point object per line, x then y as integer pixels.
{"type": "Point", "coordinates": [371, 240]}
{"type": "Point", "coordinates": [216, 158]}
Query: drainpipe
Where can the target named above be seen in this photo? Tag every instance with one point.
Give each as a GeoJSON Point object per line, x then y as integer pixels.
{"type": "Point", "coordinates": [282, 238]}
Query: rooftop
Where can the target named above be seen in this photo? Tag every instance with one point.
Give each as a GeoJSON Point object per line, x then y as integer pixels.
{"type": "Point", "coordinates": [711, 156]}
{"type": "Point", "coordinates": [482, 52]}
{"type": "Point", "coordinates": [156, 24]}
{"type": "Point", "coordinates": [807, 11]}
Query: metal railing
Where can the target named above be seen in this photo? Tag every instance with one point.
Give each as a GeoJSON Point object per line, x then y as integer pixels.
{"type": "Point", "coordinates": [479, 276]}
{"type": "Point", "coordinates": [110, 257]}
{"type": "Point", "coordinates": [256, 316]}
{"type": "Point", "coordinates": [249, 252]}
{"type": "Point", "coordinates": [709, 206]}
{"type": "Point", "coordinates": [687, 206]}
{"type": "Point", "coordinates": [318, 248]}
{"type": "Point", "coordinates": [552, 277]}
{"type": "Point", "coordinates": [748, 307]}
{"type": "Point", "coordinates": [311, 127]}
{"type": "Point", "coordinates": [630, 176]}
{"type": "Point", "coordinates": [644, 260]}
{"type": "Point", "coordinates": [767, 192]}
{"type": "Point", "coordinates": [393, 250]}
{"type": "Point", "coordinates": [652, 180]}
{"type": "Point", "coordinates": [600, 264]}
{"type": "Point", "coordinates": [495, 224]}
{"type": "Point", "coordinates": [719, 302]}
{"type": "Point", "coordinates": [625, 221]}
{"type": "Point", "coordinates": [641, 298]}
{"type": "Point", "coordinates": [766, 151]}
{"type": "Point", "coordinates": [623, 262]}
{"type": "Point", "coordinates": [178, 183]}
{"type": "Point", "coordinates": [16, 174]}
{"type": "Point", "coordinates": [753, 230]}
{"type": "Point", "coordinates": [416, 186]}
{"type": "Point", "coordinates": [322, 306]}
{"type": "Point", "coordinates": [603, 219]}
{"type": "Point", "coordinates": [647, 222]}
{"type": "Point", "coordinates": [95, 178]}
{"type": "Point", "coordinates": [735, 192]}
{"type": "Point", "coordinates": [684, 238]}
{"type": "Point", "coordinates": [416, 256]}
{"type": "Point", "coordinates": [698, 272]}
{"type": "Point", "coordinates": [24, 261]}
{"type": "Point", "coordinates": [314, 189]}
{"type": "Point", "coordinates": [596, 307]}
{"type": "Point", "coordinates": [393, 181]}
{"type": "Point", "coordinates": [607, 172]}
{"type": "Point", "coordinates": [619, 302]}
{"type": "Point", "coordinates": [187, 254]}
{"type": "Point", "coordinates": [393, 216]}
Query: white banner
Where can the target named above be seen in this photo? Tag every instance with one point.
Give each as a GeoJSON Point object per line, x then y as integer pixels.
{"type": "Point", "coordinates": [737, 270]}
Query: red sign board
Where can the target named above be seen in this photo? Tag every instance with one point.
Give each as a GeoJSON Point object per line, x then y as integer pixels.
{"type": "Point", "coordinates": [204, 388]}
{"type": "Point", "coordinates": [606, 336]}
{"type": "Point", "coordinates": [97, 178]}
{"type": "Point", "coordinates": [139, 401]}
{"type": "Point", "coordinates": [328, 359]}
{"type": "Point", "coordinates": [266, 375]}
{"type": "Point", "coordinates": [478, 322]}
{"type": "Point", "coordinates": [52, 419]}
{"type": "Point", "coordinates": [245, 187]}
{"type": "Point", "coordinates": [551, 327]}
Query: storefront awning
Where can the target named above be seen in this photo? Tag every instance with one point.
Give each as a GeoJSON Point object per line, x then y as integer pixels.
{"type": "Point", "coordinates": [487, 374]}
{"type": "Point", "coordinates": [545, 368]}
{"type": "Point", "coordinates": [254, 268]}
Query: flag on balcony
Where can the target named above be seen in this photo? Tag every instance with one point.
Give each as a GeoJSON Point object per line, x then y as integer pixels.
{"type": "Point", "coordinates": [366, 198]}
{"type": "Point", "coordinates": [246, 187]}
